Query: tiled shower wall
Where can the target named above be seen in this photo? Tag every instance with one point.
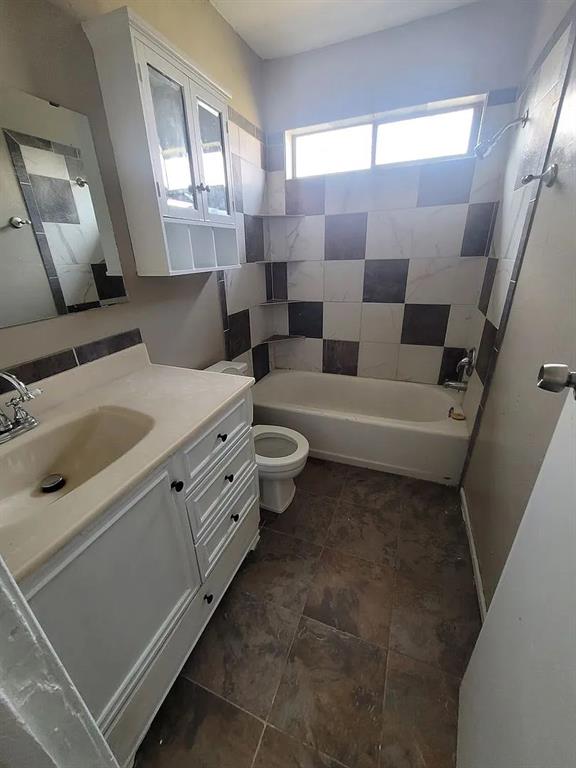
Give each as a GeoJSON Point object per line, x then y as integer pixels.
{"type": "Point", "coordinates": [382, 271]}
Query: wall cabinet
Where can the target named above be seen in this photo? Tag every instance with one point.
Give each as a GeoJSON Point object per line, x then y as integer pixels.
{"type": "Point", "coordinates": [169, 129]}
{"type": "Point", "coordinates": [125, 601]}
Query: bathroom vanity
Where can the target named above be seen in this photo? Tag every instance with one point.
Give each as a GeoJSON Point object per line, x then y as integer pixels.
{"type": "Point", "coordinates": [124, 565]}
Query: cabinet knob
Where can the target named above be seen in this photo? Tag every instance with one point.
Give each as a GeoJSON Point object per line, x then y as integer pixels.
{"type": "Point", "coordinates": [222, 436]}
{"type": "Point", "coordinates": [177, 485]}
{"type": "Point", "coordinates": [208, 598]}
{"type": "Point", "coordinates": [235, 517]}
{"type": "Point", "coordinates": [230, 478]}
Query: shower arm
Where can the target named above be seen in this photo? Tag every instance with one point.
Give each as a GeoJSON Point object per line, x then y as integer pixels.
{"type": "Point", "coordinates": [483, 148]}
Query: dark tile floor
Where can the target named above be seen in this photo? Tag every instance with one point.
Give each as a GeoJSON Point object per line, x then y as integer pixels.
{"type": "Point", "coordinates": [341, 642]}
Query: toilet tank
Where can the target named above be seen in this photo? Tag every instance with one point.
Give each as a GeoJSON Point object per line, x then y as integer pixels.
{"type": "Point", "coordinates": [225, 366]}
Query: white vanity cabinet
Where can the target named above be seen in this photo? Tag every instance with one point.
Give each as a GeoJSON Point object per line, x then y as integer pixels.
{"type": "Point", "coordinates": [169, 129]}
{"type": "Point", "coordinates": [124, 602]}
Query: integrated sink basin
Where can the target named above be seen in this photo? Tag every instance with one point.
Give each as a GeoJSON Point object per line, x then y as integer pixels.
{"type": "Point", "coordinates": [77, 450]}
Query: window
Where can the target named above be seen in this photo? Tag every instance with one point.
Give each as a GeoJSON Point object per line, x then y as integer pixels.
{"type": "Point", "coordinates": [428, 133]}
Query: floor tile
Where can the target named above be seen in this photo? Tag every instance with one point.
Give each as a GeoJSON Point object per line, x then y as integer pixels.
{"type": "Point", "coordinates": [352, 595]}
{"type": "Point", "coordinates": [324, 478]}
{"type": "Point", "coordinates": [331, 694]}
{"type": "Point", "coordinates": [308, 517]}
{"type": "Point", "coordinates": [280, 570]}
{"type": "Point", "coordinates": [277, 750]}
{"type": "Point", "coordinates": [446, 564]}
{"type": "Point", "coordinates": [195, 727]}
{"type": "Point", "coordinates": [420, 716]}
{"type": "Point", "coordinates": [242, 651]}
{"type": "Point", "coordinates": [367, 533]}
{"type": "Point", "coordinates": [433, 625]}
{"type": "Point", "coordinates": [377, 490]}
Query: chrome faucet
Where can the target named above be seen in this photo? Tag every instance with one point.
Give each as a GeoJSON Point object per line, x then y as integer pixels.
{"type": "Point", "coordinates": [21, 420]}
{"type": "Point", "coordinates": [465, 367]}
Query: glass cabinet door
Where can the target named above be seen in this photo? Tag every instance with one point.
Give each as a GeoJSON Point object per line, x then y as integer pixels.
{"type": "Point", "coordinates": [213, 159]}
{"type": "Point", "coordinates": [173, 143]}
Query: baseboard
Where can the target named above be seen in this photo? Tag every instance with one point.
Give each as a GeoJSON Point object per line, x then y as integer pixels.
{"type": "Point", "coordinates": [475, 563]}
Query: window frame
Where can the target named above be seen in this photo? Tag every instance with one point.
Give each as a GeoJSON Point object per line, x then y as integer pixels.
{"type": "Point", "coordinates": [477, 103]}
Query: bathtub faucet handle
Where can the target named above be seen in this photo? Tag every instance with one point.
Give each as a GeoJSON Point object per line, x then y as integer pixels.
{"type": "Point", "coordinates": [467, 364]}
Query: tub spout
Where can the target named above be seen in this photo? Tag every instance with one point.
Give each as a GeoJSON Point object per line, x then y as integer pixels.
{"type": "Point", "coordinates": [459, 386]}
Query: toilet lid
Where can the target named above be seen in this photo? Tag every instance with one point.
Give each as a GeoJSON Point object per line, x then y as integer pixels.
{"type": "Point", "coordinates": [279, 446]}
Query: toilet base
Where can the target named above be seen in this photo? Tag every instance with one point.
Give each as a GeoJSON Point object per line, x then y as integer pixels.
{"type": "Point", "coordinates": [276, 495]}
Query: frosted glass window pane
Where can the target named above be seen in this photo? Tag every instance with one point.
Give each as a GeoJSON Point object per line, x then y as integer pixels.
{"type": "Point", "coordinates": [343, 149]}
{"type": "Point", "coordinates": [421, 138]}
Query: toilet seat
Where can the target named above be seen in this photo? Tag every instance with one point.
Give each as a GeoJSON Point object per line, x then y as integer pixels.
{"type": "Point", "coordinates": [286, 462]}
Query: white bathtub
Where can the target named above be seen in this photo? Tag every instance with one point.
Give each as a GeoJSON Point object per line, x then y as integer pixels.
{"type": "Point", "coordinates": [391, 426]}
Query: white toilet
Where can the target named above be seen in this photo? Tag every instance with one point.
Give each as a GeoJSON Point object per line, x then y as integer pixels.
{"type": "Point", "coordinates": [281, 454]}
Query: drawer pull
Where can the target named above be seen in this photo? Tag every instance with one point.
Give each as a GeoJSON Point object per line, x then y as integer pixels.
{"type": "Point", "coordinates": [235, 517]}
{"type": "Point", "coordinates": [223, 436]}
{"type": "Point", "coordinates": [208, 598]}
{"type": "Point", "coordinates": [177, 485]}
{"type": "Point", "coordinates": [230, 478]}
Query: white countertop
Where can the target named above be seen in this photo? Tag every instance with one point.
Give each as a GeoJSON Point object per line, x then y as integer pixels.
{"type": "Point", "coordinates": [180, 401]}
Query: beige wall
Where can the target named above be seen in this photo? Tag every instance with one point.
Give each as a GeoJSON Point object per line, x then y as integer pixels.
{"type": "Point", "coordinates": [43, 51]}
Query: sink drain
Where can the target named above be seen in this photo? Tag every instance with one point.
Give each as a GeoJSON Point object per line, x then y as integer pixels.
{"type": "Point", "coordinates": [52, 483]}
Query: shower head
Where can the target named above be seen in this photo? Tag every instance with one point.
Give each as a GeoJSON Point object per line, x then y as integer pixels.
{"type": "Point", "coordinates": [483, 148]}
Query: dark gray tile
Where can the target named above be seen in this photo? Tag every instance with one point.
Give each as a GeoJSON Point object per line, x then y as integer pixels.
{"type": "Point", "coordinates": [305, 318]}
{"type": "Point", "coordinates": [479, 229]}
{"type": "Point", "coordinates": [485, 350]}
{"type": "Point", "coordinates": [34, 370]}
{"type": "Point", "coordinates": [371, 534]}
{"type": "Point", "coordinates": [57, 295]}
{"type": "Point", "coordinates": [425, 324]}
{"type": "Point", "coordinates": [340, 357]}
{"type": "Point", "coordinates": [487, 283]}
{"type": "Point", "coordinates": [32, 208]}
{"type": "Point", "coordinates": [420, 716]}
{"type": "Point", "coordinates": [331, 692]}
{"type": "Point", "coordinates": [75, 168]}
{"type": "Point", "coordinates": [445, 564]}
{"type": "Point", "coordinates": [54, 199]}
{"type": "Point", "coordinates": [107, 286]}
{"type": "Point", "coordinates": [83, 306]}
{"type": "Point", "coordinates": [269, 282]}
{"type": "Point", "coordinates": [445, 183]}
{"type": "Point", "coordinates": [254, 238]}
{"type": "Point", "coordinates": [278, 750]}
{"type": "Point", "coordinates": [260, 361]}
{"type": "Point", "coordinates": [352, 595]}
{"type": "Point", "coordinates": [244, 123]}
{"type": "Point", "coordinates": [46, 254]}
{"type": "Point", "coordinates": [376, 490]}
{"type": "Point", "coordinates": [195, 727]}
{"type": "Point", "coordinates": [239, 330]}
{"type": "Point", "coordinates": [242, 651]}
{"type": "Point", "coordinates": [451, 356]}
{"type": "Point", "coordinates": [17, 159]}
{"type": "Point", "coordinates": [86, 353]}
{"type": "Point", "coordinates": [279, 570]}
{"type": "Point", "coordinates": [31, 141]}
{"type": "Point", "coordinates": [385, 280]}
{"type": "Point", "coordinates": [308, 517]}
{"type": "Point", "coordinates": [305, 196]}
{"type": "Point", "coordinates": [65, 149]}
{"type": "Point", "coordinates": [237, 177]}
{"type": "Point", "coordinates": [345, 236]}
{"type": "Point", "coordinates": [221, 287]}
{"type": "Point", "coordinates": [502, 96]}
{"type": "Point", "coordinates": [323, 478]}
{"type": "Point", "coordinates": [431, 513]}
{"type": "Point", "coordinates": [279, 272]}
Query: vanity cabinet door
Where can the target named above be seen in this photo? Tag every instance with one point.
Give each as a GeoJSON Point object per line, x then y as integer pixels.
{"type": "Point", "coordinates": [170, 126]}
{"type": "Point", "coordinates": [110, 600]}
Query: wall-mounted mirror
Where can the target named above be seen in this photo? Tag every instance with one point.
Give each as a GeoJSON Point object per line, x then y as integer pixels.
{"type": "Point", "coordinates": [57, 249]}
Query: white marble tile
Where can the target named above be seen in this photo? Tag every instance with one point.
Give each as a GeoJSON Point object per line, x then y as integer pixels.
{"type": "Point", "coordinates": [472, 399]}
{"type": "Point", "coordinates": [549, 74]}
{"type": "Point", "coordinates": [476, 329]}
{"type": "Point", "coordinates": [240, 238]}
{"type": "Point", "coordinates": [250, 148]}
{"type": "Point", "coordinates": [460, 323]}
{"type": "Point", "coordinates": [43, 162]}
{"type": "Point", "coordinates": [259, 325]}
{"type": "Point", "coordinates": [299, 354]}
{"type": "Point", "coordinates": [382, 322]}
{"type": "Point", "coordinates": [419, 364]}
{"type": "Point", "coordinates": [445, 281]}
{"type": "Point", "coordinates": [305, 238]}
{"type": "Point", "coordinates": [253, 188]}
{"type": "Point", "coordinates": [414, 233]}
{"type": "Point", "coordinates": [510, 222]}
{"type": "Point", "coordinates": [306, 281]}
{"type": "Point", "coordinates": [276, 192]}
{"type": "Point", "coordinates": [73, 244]}
{"type": "Point", "coordinates": [234, 138]}
{"type": "Point", "coordinates": [245, 287]}
{"type": "Point", "coordinates": [342, 320]}
{"type": "Point", "coordinates": [343, 280]}
{"type": "Point", "coordinates": [77, 282]}
{"type": "Point", "coordinates": [246, 357]}
{"type": "Point", "coordinates": [378, 361]}
{"type": "Point", "coordinates": [499, 291]}
{"type": "Point", "coordinates": [277, 319]}
{"type": "Point", "coordinates": [379, 189]}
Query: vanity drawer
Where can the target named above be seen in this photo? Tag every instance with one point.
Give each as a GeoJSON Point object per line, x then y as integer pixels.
{"type": "Point", "coordinates": [227, 522]}
{"type": "Point", "coordinates": [216, 440]}
{"type": "Point", "coordinates": [221, 483]}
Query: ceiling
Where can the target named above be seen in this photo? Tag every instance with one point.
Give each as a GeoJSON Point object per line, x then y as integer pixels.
{"type": "Point", "coordinates": [274, 28]}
